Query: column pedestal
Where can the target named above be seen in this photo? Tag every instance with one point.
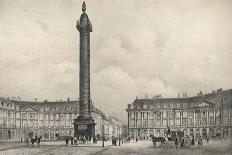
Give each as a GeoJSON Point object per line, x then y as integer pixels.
{"type": "Point", "coordinates": [84, 127]}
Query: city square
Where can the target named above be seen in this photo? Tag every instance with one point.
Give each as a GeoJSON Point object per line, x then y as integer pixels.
{"type": "Point", "coordinates": [115, 77]}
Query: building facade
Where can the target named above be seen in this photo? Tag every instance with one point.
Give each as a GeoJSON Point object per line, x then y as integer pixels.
{"type": "Point", "coordinates": [206, 115]}
{"type": "Point", "coordinates": [51, 120]}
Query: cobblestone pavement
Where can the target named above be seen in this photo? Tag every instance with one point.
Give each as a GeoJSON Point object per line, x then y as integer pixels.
{"type": "Point", "coordinates": [140, 148]}
{"type": "Point", "coordinates": [5, 145]}
{"type": "Point", "coordinates": [52, 148]}
{"type": "Point", "coordinates": [147, 148]}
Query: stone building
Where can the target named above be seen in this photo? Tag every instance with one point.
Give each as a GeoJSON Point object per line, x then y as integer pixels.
{"type": "Point", "coordinates": [207, 115]}
{"type": "Point", "coordinates": [51, 120]}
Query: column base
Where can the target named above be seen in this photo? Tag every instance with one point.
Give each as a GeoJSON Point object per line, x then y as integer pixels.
{"type": "Point", "coordinates": [84, 126]}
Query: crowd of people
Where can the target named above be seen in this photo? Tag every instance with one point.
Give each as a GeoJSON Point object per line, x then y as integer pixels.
{"type": "Point", "coordinates": [74, 140]}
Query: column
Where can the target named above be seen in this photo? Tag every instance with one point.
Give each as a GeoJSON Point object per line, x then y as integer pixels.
{"type": "Point", "coordinates": [229, 117]}
{"type": "Point", "coordinates": [148, 116]}
{"type": "Point", "coordinates": [214, 117]}
{"type": "Point", "coordinates": [181, 115]}
{"type": "Point", "coordinates": [27, 119]}
{"type": "Point", "coordinates": [38, 120]}
{"type": "Point", "coordinates": [142, 117]}
{"type": "Point", "coordinates": [194, 119]}
{"type": "Point", "coordinates": [207, 119]}
{"type": "Point", "coordinates": [161, 119]}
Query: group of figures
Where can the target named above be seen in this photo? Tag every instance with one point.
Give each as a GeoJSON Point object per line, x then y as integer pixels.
{"type": "Point", "coordinates": [74, 140]}
{"type": "Point", "coordinates": [114, 141]}
{"type": "Point", "coordinates": [176, 138]}
{"type": "Point", "coordinates": [34, 140]}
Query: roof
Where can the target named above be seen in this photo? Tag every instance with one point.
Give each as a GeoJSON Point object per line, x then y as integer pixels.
{"type": "Point", "coordinates": [210, 99]}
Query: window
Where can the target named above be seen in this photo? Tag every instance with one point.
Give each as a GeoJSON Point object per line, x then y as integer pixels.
{"type": "Point", "coordinates": [31, 116]}
{"type": "Point", "coordinates": [151, 115]}
{"type": "Point", "coordinates": [139, 115]}
{"type": "Point", "coordinates": [185, 115]}
{"type": "Point", "coordinates": [57, 117]}
{"type": "Point", "coordinates": [204, 113]}
{"type": "Point", "coordinates": [51, 116]}
{"type": "Point", "coordinates": [132, 115]}
{"type": "Point", "coordinates": [165, 122]}
{"type": "Point", "coordinates": [171, 122]}
{"type": "Point", "coordinates": [41, 117]}
{"type": "Point", "coordinates": [145, 123]}
{"type": "Point", "coordinates": [46, 116]}
{"type": "Point", "coordinates": [145, 115]}
{"type": "Point", "coordinates": [144, 106]}
{"type": "Point", "coordinates": [184, 122]}
{"type": "Point", "coordinates": [164, 114]}
{"type": "Point", "coordinates": [177, 114]}
{"type": "Point", "coordinates": [177, 122]}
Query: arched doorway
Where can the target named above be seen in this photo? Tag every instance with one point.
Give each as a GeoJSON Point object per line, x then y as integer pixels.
{"type": "Point", "coordinates": [218, 133]}
{"type": "Point", "coordinates": [151, 133]}
{"type": "Point", "coordinates": [225, 133]}
{"type": "Point", "coordinates": [9, 134]}
{"type": "Point", "coordinates": [204, 133]}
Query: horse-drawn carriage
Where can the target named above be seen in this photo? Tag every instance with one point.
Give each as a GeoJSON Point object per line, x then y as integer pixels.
{"type": "Point", "coordinates": [172, 138]}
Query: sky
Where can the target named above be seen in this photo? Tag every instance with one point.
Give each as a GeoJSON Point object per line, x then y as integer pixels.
{"type": "Point", "coordinates": [138, 48]}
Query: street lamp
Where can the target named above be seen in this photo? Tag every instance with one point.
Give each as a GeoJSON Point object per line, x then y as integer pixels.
{"type": "Point", "coordinates": [119, 137]}
{"type": "Point", "coordinates": [103, 136]}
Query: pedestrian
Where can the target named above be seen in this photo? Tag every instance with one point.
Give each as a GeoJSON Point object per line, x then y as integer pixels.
{"type": "Point", "coordinates": [136, 139]}
{"type": "Point", "coordinates": [38, 141]}
{"type": "Point", "coordinates": [200, 142]}
{"type": "Point", "coordinates": [71, 140]}
{"type": "Point", "coordinates": [176, 142]}
{"type": "Point", "coordinates": [112, 140]}
{"type": "Point", "coordinates": [27, 141]}
{"type": "Point", "coordinates": [32, 142]}
{"type": "Point", "coordinates": [66, 141]}
{"type": "Point", "coordinates": [75, 140]}
{"type": "Point", "coordinates": [207, 139]}
{"type": "Point", "coordinates": [193, 142]}
{"type": "Point", "coordinates": [182, 142]}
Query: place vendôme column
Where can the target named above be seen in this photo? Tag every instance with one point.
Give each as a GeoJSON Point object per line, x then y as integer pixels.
{"type": "Point", "coordinates": [84, 124]}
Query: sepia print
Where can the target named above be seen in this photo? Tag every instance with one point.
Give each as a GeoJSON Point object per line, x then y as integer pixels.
{"type": "Point", "coordinates": [109, 77]}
